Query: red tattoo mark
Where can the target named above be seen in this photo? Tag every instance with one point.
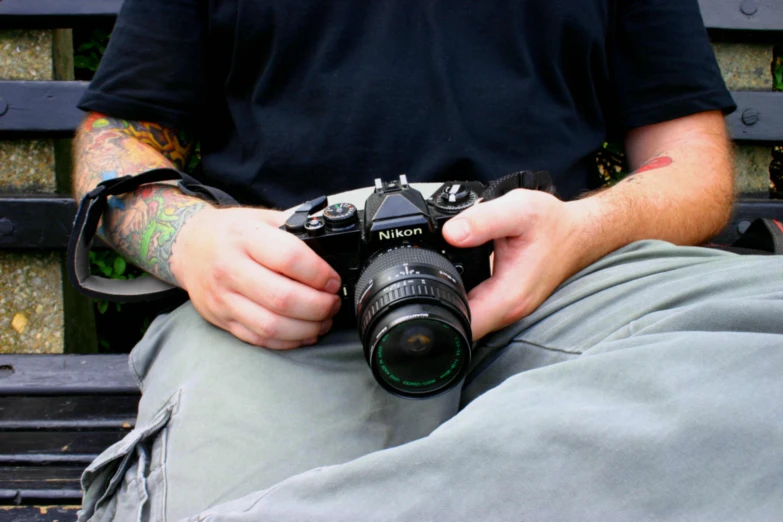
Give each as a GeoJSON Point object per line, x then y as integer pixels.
{"type": "Point", "coordinates": [655, 163]}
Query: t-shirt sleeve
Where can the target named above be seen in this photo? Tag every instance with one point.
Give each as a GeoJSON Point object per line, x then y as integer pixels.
{"type": "Point", "coordinates": [153, 68]}
{"type": "Point", "coordinates": [662, 64]}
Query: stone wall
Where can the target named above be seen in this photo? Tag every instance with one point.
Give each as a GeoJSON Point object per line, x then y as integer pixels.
{"type": "Point", "coordinates": [31, 300]}
{"type": "Point", "coordinates": [748, 67]}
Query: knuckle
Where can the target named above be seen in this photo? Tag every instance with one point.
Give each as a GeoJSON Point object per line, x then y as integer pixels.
{"type": "Point", "coordinates": [288, 257]}
{"type": "Point", "coordinates": [221, 272]}
{"type": "Point", "coordinates": [267, 328]}
{"type": "Point", "coordinates": [281, 299]}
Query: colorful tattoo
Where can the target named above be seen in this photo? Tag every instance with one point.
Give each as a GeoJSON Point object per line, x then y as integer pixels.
{"type": "Point", "coordinates": [142, 226]}
{"type": "Point", "coordinates": [657, 162]}
{"type": "Point", "coordinates": [173, 145]}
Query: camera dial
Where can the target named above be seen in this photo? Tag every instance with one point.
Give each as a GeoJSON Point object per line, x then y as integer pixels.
{"type": "Point", "coordinates": [340, 215]}
{"type": "Point", "coordinates": [455, 197]}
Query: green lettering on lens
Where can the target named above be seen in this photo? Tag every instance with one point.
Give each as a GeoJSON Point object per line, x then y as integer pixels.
{"type": "Point", "coordinates": [418, 384]}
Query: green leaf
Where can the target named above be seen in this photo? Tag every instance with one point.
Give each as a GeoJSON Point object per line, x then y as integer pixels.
{"type": "Point", "coordinates": [105, 269]}
{"type": "Point", "coordinates": [81, 62]}
{"type": "Point", "coordinates": [615, 148]}
{"type": "Point", "coordinates": [103, 306]}
{"type": "Point", "coordinates": [119, 265]}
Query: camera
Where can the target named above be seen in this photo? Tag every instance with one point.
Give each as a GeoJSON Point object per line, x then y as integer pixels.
{"type": "Point", "coordinates": [404, 286]}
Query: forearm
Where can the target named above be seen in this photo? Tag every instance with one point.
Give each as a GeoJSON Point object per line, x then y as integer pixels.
{"type": "Point", "coordinates": [143, 226]}
{"type": "Point", "coordinates": [682, 193]}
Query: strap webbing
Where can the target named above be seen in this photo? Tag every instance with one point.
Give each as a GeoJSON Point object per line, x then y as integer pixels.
{"type": "Point", "coordinates": [92, 207]}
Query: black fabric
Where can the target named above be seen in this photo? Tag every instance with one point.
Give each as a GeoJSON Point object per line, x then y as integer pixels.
{"type": "Point", "coordinates": [291, 100]}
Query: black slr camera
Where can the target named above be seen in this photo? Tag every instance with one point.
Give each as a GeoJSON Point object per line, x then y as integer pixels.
{"type": "Point", "coordinates": [403, 285]}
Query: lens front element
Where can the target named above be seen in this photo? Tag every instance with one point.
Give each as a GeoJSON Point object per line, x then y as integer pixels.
{"type": "Point", "coordinates": [420, 355]}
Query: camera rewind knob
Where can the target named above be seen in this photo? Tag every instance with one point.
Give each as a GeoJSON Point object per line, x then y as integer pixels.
{"type": "Point", "coordinates": [340, 215]}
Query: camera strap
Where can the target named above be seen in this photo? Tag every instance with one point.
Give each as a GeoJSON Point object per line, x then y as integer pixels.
{"type": "Point", "coordinates": [88, 215]}
{"type": "Point", "coordinates": [526, 179]}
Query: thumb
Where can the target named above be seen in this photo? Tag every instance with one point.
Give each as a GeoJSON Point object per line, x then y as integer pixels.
{"type": "Point", "coordinates": [502, 217]}
{"type": "Point", "coordinates": [490, 304]}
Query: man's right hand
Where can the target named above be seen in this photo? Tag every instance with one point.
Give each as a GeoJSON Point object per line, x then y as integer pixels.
{"type": "Point", "coordinates": [258, 282]}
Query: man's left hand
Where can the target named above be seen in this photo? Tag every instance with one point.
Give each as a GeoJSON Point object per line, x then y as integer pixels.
{"type": "Point", "coordinates": [538, 245]}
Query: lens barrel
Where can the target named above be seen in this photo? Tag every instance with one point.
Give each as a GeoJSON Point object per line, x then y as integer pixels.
{"type": "Point", "coordinates": [414, 321]}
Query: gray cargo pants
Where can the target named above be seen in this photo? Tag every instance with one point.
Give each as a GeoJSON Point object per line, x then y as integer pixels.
{"type": "Point", "coordinates": [648, 387]}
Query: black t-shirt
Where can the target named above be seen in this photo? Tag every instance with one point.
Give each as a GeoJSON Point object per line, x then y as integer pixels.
{"type": "Point", "coordinates": [291, 100]}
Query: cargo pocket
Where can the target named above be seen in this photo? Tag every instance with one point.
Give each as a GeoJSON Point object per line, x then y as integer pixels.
{"type": "Point", "coordinates": [130, 461]}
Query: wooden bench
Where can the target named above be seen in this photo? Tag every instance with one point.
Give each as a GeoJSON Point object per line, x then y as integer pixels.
{"type": "Point", "coordinates": [57, 412]}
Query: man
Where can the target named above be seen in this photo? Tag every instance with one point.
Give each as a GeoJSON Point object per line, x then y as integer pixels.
{"type": "Point", "coordinates": [613, 378]}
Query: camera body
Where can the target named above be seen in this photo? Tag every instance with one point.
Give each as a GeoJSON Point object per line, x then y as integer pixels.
{"type": "Point", "coordinates": [395, 215]}
{"type": "Point", "coordinates": [404, 287]}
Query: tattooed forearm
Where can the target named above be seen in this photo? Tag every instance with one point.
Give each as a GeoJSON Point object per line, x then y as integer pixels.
{"type": "Point", "coordinates": [143, 225]}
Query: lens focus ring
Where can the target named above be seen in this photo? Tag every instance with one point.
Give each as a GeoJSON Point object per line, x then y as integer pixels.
{"type": "Point", "coordinates": [431, 290]}
{"type": "Point", "coordinates": [399, 257]}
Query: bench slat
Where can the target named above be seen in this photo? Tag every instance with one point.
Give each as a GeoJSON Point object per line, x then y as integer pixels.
{"type": "Point", "coordinates": [743, 15]}
{"type": "Point", "coordinates": [87, 411]}
{"type": "Point", "coordinates": [66, 375]}
{"type": "Point", "coordinates": [36, 477]}
{"type": "Point", "coordinates": [57, 229]}
{"type": "Point", "coordinates": [66, 442]}
{"type": "Point", "coordinates": [39, 497]}
{"type": "Point", "coordinates": [36, 221]}
{"type": "Point", "coordinates": [40, 109]}
{"type": "Point", "coordinates": [38, 513]}
{"type": "Point", "coordinates": [759, 116]}
{"type": "Point", "coordinates": [48, 14]}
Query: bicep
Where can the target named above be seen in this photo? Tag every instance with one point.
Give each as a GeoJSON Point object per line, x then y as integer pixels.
{"type": "Point", "coordinates": [704, 128]}
{"type": "Point", "coordinates": [172, 144]}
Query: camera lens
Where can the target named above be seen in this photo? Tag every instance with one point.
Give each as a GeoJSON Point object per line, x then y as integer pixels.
{"type": "Point", "coordinates": [414, 321]}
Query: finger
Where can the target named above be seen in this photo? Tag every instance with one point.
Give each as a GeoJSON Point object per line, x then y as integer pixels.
{"type": "Point", "coordinates": [243, 334]}
{"type": "Point", "coordinates": [506, 216]}
{"type": "Point", "coordinates": [286, 254]}
{"type": "Point", "coordinates": [278, 293]}
{"type": "Point", "coordinates": [270, 326]}
{"type": "Point", "coordinates": [493, 306]}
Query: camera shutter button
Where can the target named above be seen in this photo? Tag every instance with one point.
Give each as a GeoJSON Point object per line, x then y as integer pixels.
{"type": "Point", "coordinates": [314, 226]}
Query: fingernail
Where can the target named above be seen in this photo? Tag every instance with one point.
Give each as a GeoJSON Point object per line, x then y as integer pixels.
{"type": "Point", "coordinates": [332, 286]}
{"type": "Point", "coordinates": [335, 307]}
{"type": "Point", "coordinates": [310, 341]}
{"type": "Point", "coordinates": [459, 230]}
{"type": "Point", "coordinates": [325, 327]}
